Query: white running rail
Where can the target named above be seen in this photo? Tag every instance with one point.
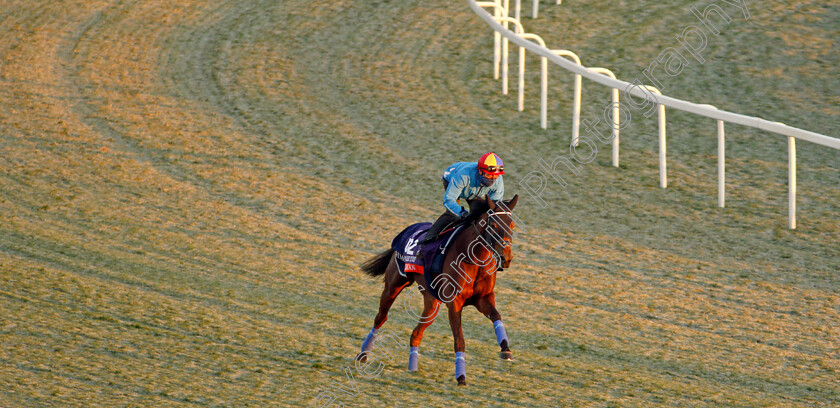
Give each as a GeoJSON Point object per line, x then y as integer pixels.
{"type": "Point", "coordinates": [601, 76]}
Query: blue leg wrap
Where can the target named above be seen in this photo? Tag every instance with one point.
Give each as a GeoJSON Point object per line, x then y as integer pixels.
{"type": "Point", "coordinates": [500, 331]}
{"type": "Point", "coordinates": [367, 345]}
{"type": "Point", "coordinates": [460, 364]}
{"type": "Point", "coordinates": [413, 358]}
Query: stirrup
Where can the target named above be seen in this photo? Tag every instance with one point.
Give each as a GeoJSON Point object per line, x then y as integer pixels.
{"type": "Point", "coordinates": [454, 224]}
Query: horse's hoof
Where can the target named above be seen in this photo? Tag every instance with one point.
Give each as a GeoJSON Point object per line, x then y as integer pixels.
{"type": "Point", "coordinates": [462, 380]}
{"type": "Point", "coordinates": [506, 355]}
{"type": "Point", "coordinates": [361, 357]}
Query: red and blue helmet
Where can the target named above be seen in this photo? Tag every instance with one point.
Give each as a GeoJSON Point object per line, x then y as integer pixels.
{"type": "Point", "coordinates": [490, 165]}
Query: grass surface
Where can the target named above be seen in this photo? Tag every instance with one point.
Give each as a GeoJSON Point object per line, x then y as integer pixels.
{"type": "Point", "coordinates": [187, 188]}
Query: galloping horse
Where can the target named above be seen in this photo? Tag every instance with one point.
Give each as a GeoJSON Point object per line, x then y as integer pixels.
{"type": "Point", "coordinates": [469, 269]}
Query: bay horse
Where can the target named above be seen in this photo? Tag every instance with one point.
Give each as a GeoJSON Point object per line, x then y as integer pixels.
{"type": "Point", "coordinates": [469, 269]}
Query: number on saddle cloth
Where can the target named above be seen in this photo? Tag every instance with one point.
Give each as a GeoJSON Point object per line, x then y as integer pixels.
{"type": "Point", "coordinates": [407, 247]}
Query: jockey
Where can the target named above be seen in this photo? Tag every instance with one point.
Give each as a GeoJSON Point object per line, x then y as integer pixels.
{"type": "Point", "coordinates": [470, 181]}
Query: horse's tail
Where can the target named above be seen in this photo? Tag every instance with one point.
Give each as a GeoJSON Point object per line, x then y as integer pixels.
{"type": "Point", "coordinates": [376, 266]}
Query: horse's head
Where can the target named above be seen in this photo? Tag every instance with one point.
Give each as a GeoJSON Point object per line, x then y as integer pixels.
{"type": "Point", "coordinates": [497, 228]}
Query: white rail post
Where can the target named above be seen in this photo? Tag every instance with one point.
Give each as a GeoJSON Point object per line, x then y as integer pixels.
{"type": "Point", "coordinates": [544, 93]}
{"type": "Point", "coordinates": [517, 9]}
{"type": "Point", "coordinates": [521, 78]}
{"type": "Point", "coordinates": [498, 11]}
{"type": "Point", "coordinates": [616, 120]}
{"type": "Point", "coordinates": [536, 7]}
{"type": "Point", "coordinates": [617, 126]}
{"type": "Point", "coordinates": [504, 59]}
{"type": "Point", "coordinates": [519, 31]}
{"type": "Point", "coordinates": [663, 170]}
{"type": "Point", "coordinates": [497, 39]}
{"type": "Point", "coordinates": [505, 65]}
{"type": "Point", "coordinates": [791, 182]}
{"type": "Point", "coordinates": [721, 167]}
{"type": "Point", "coordinates": [507, 14]}
{"type": "Point", "coordinates": [578, 86]}
{"type": "Point", "coordinates": [543, 81]}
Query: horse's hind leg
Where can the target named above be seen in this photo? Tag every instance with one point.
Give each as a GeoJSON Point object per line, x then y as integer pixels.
{"type": "Point", "coordinates": [394, 284]}
{"type": "Point", "coordinates": [487, 306]}
{"type": "Point", "coordinates": [431, 306]}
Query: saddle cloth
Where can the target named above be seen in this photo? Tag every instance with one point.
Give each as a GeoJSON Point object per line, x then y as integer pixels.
{"type": "Point", "coordinates": [424, 259]}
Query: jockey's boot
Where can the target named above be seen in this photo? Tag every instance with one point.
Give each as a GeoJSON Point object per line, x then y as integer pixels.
{"type": "Point", "coordinates": [442, 222]}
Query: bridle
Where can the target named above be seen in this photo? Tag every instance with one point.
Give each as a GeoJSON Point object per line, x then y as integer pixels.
{"type": "Point", "coordinates": [499, 257]}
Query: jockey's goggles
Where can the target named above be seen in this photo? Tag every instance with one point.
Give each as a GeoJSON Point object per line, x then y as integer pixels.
{"type": "Point", "coordinates": [494, 170]}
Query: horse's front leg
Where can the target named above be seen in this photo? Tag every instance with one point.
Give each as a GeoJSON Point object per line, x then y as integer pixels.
{"type": "Point", "coordinates": [455, 308]}
{"type": "Point", "coordinates": [487, 306]}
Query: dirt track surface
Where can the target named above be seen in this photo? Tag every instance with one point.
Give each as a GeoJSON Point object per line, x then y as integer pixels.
{"type": "Point", "coordinates": [187, 188]}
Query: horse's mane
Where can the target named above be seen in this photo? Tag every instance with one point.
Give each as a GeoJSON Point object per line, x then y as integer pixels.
{"type": "Point", "coordinates": [477, 209]}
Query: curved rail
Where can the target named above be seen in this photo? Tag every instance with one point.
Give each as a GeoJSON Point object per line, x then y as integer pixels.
{"type": "Point", "coordinates": [668, 101]}
{"type": "Point", "coordinates": [650, 96]}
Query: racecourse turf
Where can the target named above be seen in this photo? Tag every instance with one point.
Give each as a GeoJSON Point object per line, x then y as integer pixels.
{"type": "Point", "coordinates": [187, 189]}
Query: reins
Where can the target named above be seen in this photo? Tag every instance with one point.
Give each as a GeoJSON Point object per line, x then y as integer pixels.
{"type": "Point", "coordinates": [499, 257]}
